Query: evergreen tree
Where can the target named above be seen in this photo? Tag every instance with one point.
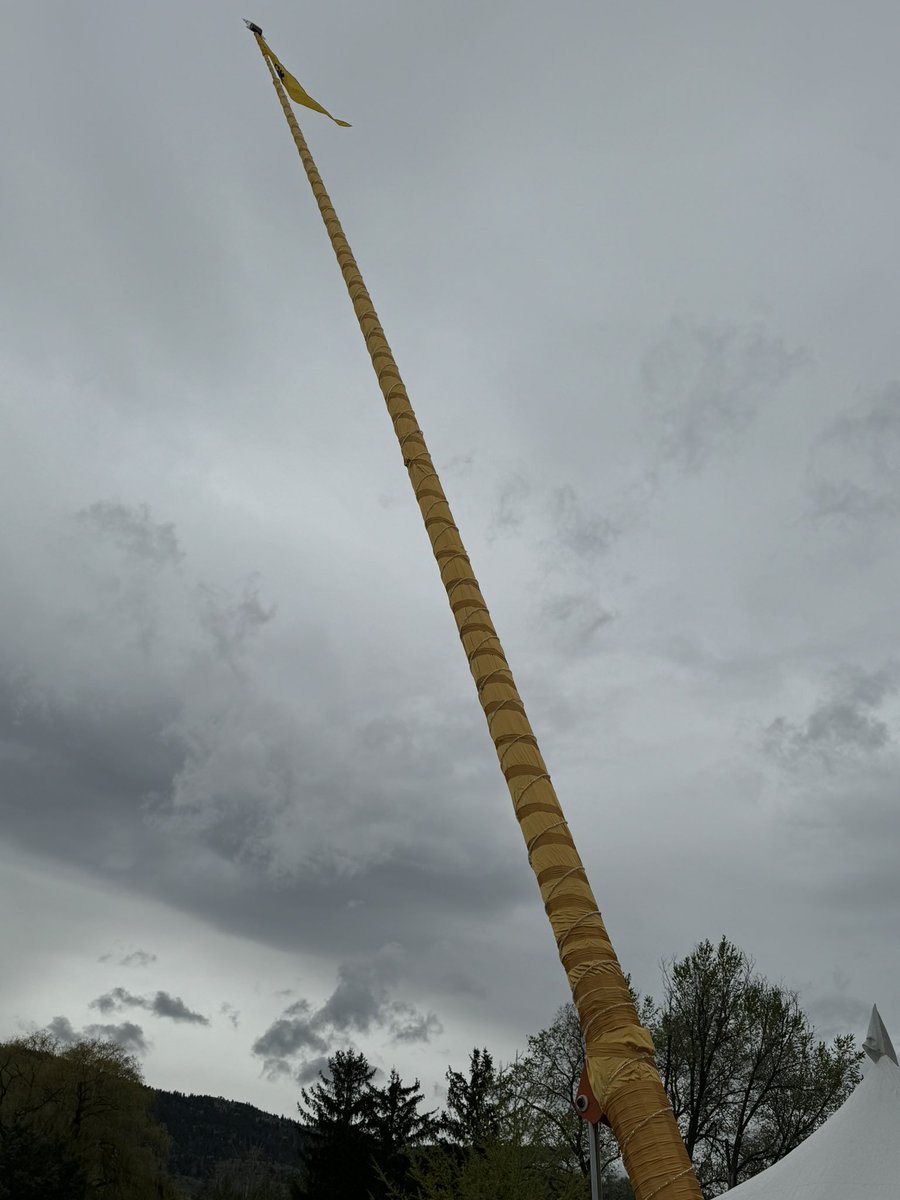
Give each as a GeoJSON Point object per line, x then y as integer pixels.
{"type": "Point", "coordinates": [475, 1105]}
{"type": "Point", "coordinates": [339, 1161]}
{"type": "Point", "coordinates": [397, 1126]}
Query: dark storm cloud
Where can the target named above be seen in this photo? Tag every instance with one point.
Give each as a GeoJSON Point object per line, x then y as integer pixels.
{"type": "Point", "coordinates": [705, 384]}
{"type": "Point", "coordinates": [161, 1005]}
{"type": "Point", "coordinates": [201, 766]}
{"type": "Point", "coordinates": [263, 795]}
{"type": "Point", "coordinates": [854, 468]}
{"type": "Point", "coordinates": [843, 724]}
{"type": "Point", "coordinates": [93, 767]}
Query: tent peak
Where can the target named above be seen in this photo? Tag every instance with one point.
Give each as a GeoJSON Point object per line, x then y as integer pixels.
{"type": "Point", "coordinates": [878, 1042]}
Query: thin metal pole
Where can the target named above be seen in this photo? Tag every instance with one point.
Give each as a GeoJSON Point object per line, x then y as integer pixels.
{"type": "Point", "coordinates": [596, 1176]}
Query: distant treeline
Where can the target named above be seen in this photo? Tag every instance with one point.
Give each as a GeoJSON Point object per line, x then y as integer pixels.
{"type": "Point", "coordinates": [208, 1133]}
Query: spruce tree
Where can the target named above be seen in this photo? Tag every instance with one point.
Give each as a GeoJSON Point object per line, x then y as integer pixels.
{"type": "Point", "coordinates": [397, 1126]}
{"type": "Point", "coordinates": [475, 1107]}
{"type": "Point", "coordinates": [338, 1110]}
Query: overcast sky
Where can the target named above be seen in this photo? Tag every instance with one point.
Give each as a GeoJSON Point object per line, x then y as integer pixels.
{"type": "Point", "coordinates": [640, 268]}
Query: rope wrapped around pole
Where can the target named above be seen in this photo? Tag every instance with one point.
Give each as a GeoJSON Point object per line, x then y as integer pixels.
{"type": "Point", "coordinates": [619, 1050]}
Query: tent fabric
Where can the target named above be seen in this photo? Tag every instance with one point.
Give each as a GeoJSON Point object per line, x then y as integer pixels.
{"type": "Point", "coordinates": [878, 1040]}
{"type": "Point", "coordinates": [855, 1153]}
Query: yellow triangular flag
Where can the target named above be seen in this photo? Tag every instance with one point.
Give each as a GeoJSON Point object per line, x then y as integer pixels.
{"type": "Point", "coordinates": [298, 94]}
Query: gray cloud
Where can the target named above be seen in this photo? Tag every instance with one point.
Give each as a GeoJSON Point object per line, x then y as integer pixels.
{"type": "Point", "coordinates": [706, 383]}
{"type": "Point", "coordinates": [287, 1036]}
{"type": "Point", "coordinates": [231, 623]}
{"type": "Point", "coordinates": [838, 1010]}
{"type": "Point", "coordinates": [138, 958]}
{"type": "Point", "coordinates": [361, 1001]}
{"type": "Point", "coordinates": [173, 1007]}
{"type": "Point", "coordinates": [854, 467]}
{"type": "Point", "coordinates": [558, 515]}
{"type": "Point", "coordinates": [61, 1028]}
{"type": "Point", "coordinates": [841, 725]}
{"type": "Point", "coordinates": [161, 1005]}
{"type": "Point", "coordinates": [127, 1035]}
{"type": "Point", "coordinates": [135, 958]}
{"type": "Point", "coordinates": [284, 1039]}
{"type": "Point", "coordinates": [309, 1072]}
{"type": "Point", "coordinates": [116, 1000]}
{"type": "Point", "coordinates": [132, 529]}
{"type": "Point", "coordinates": [587, 535]}
{"type": "Point", "coordinates": [510, 506]}
{"type": "Point", "coordinates": [574, 619]}
{"type": "Point", "coordinates": [362, 991]}
{"type": "Point", "coordinates": [407, 1024]}
{"type": "Point", "coordinates": [229, 1011]}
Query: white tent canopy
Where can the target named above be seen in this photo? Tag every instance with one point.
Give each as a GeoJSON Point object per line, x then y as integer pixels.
{"type": "Point", "coordinates": [856, 1153]}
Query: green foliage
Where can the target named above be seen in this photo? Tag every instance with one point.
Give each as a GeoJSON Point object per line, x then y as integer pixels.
{"type": "Point", "coordinates": [546, 1076]}
{"type": "Point", "coordinates": [75, 1121]}
{"type": "Point", "coordinates": [499, 1170]}
{"type": "Point", "coordinates": [509, 1131]}
{"type": "Point", "coordinates": [747, 1078]}
{"type": "Point", "coordinates": [476, 1104]}
{"type": "Point", "coordinates": [740, 1061]}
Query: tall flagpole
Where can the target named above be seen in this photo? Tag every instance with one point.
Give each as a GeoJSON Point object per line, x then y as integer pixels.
{"type": "Point", "coordinates": [618, 1050]}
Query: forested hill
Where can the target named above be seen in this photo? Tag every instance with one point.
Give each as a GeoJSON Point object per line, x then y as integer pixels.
{"type": "Point", "coordinates": [207, 1130]}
